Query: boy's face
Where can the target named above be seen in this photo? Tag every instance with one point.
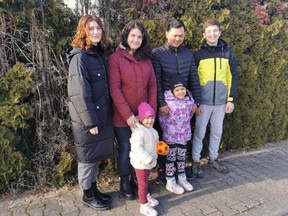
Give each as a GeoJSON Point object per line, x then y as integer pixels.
{"type": "Point", "coordinates": [148, 121]}
{"type": "Point", "coordinates": [179, 92]}
{"type": "Point", "coordinates": [212, 34]}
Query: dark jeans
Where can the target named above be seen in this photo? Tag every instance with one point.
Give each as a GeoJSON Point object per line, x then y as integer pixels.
{"type": "Point", "coordinates": [123, 135]}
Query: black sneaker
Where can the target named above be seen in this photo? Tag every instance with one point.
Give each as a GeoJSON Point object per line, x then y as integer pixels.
{"type": "Point", "coordinates": [189, 173]}
{"type": "Point", "coordinates": [196, 169]}
{"type": "Point", "coordinates": [161, 179]}
{"type": "Point", "coordinates": [218, 166]}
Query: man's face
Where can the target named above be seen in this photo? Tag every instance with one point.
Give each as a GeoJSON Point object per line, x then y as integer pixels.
{"type": "Point", "coordinates": [212, 34]}
{"type": "Point", "coordinates": [175, 36]}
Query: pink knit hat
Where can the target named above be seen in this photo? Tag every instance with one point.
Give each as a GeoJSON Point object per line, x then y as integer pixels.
{"type": "Point", "coordinates": [145, 110]}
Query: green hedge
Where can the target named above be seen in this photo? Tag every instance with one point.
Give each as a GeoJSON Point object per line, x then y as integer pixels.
{"type": "Point", "coordinates": [16, 85]}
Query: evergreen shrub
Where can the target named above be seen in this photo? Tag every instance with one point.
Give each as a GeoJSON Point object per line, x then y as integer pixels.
{"type": "Point", "coordinates": [16, 86]}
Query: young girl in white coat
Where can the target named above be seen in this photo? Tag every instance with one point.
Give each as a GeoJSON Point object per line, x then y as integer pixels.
{"type": "Point", "coordinates": [143, 156]}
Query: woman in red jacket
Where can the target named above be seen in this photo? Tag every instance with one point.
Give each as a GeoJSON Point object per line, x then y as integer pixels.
{"type": "Point", "coordinates": [132, 81]}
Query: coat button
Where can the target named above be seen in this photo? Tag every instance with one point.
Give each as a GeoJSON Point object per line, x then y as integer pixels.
{"type": "Point", "coordinates": [97, 107]}
{"type": "Point", "coordinates": [98, 74]}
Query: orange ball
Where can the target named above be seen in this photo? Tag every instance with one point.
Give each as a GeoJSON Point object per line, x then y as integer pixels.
{"type": "Point", "coordinates": [162, 148]}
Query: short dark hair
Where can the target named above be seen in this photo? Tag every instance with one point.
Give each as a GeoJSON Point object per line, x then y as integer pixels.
{"type": "Point", "coordinates": [144, 51]}
{"type": "Point", "coordinates": [175, 23]}
{"type": "Point", "coordinates": [211, 22]}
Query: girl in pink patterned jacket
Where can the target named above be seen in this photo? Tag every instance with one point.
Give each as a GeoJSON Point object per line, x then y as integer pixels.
{"type": "Point", "coordinates": [176, 132]}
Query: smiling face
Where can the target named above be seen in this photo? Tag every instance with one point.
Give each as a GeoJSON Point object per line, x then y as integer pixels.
{"type": "Point", "coordinates": [134, 40]}
{"type": "Point", "coordinates": [212, 34]}
{"type": "Point", "coordinates": [179, 92]}
{"type": "Point", "coordinates": [95, 32]}
{"type": "Point", "coordinates": [148, 121]}
{"type": "Point", "coordinates": [175, 36]}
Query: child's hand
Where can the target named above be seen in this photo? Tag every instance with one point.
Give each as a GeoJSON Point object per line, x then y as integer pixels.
{"type": "Point", "coordinates": [164, 110]}
{"type": "Point", "coordinates": [194, 109]}
{"type": "Point", "coordinates": [199, 111]}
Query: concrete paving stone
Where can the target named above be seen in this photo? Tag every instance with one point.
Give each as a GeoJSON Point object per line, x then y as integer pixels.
{"type": "Point", "coordinates": [52, 213]}
{"type": "Point", "coordinates": [52, 194]}
{"type": "Point", "coordinates": [260, 199]}
{"type": "Point", "coordinates": [231, 182]}
{"type": "Point", "coordinates": [194, 213]}
{"type": "Point", "coordinates": [209, 210]}
{"type": "Point", "coordinates": [251, 177]}
{"type": "Point", "coordinates": [225, 210]}
{"type": "Point", "coordinates": [187, 209]}
{"type": "Point", "coordinates": [35, 212]}
{"type": "Point", "coordinates": [19, 210]}
{"type": "Point", "coordinates": [6, 213]}
{"type": "Point", "coordinates": [4, 205]}
{"type": "Point", "coordinates": [73, 213]}
{"type": "Point", "coordinates": [217, 213]}
{"type": "Point", "coordinates": [90, 211]}
{"type": "Point", "coordinates": [123, 211]}
{"type": "Point", "coordinates": [247, 200]}
{"type": "Point", "coordinates": [68, 207]}
{"type": "Point", "coordinates": [240, 207]}
{"type": "Point", "coordinates": [174, 213]}
{"type": "Point", "coordinates": [106, 213]}
{"type": "Point", "coordinates": [35, 203]}
{"type": "Point", "coordinates": [52, 205]}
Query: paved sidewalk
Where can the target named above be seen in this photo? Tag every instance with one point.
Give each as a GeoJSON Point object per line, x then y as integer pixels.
{"type": "Point", "coordinates": [256, 185]}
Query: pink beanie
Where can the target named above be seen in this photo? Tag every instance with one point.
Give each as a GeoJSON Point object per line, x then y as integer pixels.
{"type": "Point", "coordinates": [145, 110]}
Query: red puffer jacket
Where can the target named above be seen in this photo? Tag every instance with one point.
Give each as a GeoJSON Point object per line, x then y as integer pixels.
{"type": "Point", "coordinates": [131, 82]}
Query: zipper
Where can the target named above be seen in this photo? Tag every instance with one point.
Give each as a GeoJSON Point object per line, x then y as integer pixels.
{"type": "Point", "coordinates": [176, 55]}
{"type": "Point", "coordinates": [214, 87]}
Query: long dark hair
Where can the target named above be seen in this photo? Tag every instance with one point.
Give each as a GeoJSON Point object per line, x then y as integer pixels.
{"type": "Point", "coordinates": [144, 51]}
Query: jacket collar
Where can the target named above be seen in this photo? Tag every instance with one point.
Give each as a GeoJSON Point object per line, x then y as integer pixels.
{"type": "Point", "coordinates": [125, 53]}
{"type": "Point", "coordinates": [221, 45]}
{"type": "Point", "coordinates": [167, 46]}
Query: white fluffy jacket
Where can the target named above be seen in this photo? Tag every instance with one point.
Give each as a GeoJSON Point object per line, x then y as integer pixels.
{"type": "Point", "coordinates": [143, 147]}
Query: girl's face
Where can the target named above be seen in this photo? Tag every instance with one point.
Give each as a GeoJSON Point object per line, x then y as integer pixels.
{"type": "Point", "coordinates": [179, 92]}
{"type": "Point", "coordinates": [95, 32]}
{"type": "Point", "coordinates": [148, 121]}
{"type": "Point", "coordinates": [134, 40]}
{"type": "Point", "coordinates": [212, 34]}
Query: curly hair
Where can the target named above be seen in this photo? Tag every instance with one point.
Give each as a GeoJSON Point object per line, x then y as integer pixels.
{"type": "Point", "coordinates": [81, 39]}
{"type": "Point", "coordinates": [144, 51]}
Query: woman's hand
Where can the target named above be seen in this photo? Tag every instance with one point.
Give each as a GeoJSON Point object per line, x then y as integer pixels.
{"type": "Point", "coordinates": [131, 121]}
{"type": "Point", "coordinates": [94, 130]}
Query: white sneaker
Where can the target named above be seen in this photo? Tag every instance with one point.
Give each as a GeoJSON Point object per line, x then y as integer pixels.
{"type": "Point", "coordinates": [152, 201]}
{"type": "Point", "coordinates": [185, 184]}
{"type": "Point", "coordinates": [147, 209]}
{"type": "Point", "coordinates": [174, 187]}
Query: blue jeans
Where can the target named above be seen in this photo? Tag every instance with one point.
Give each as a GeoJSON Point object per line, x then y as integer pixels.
{"type": "Point", "coordinates": [123, 135]}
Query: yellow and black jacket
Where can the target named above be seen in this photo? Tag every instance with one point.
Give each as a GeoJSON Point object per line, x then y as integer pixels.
{"type": "Point", "coordinates": [218, 75]}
